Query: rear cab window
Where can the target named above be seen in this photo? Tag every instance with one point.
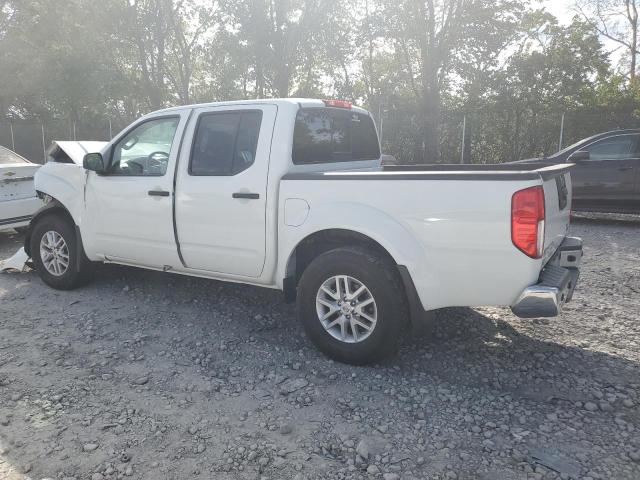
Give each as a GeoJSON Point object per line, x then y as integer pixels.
{"type": "Point", "coordinates": [330, 135]}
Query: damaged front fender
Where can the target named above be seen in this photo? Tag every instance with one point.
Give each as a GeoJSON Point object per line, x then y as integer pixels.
{"type": "Point", "coordinates": [53, 206]}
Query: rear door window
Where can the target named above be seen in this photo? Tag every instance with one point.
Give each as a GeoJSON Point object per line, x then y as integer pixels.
{"type": "Point", "coordinates": [327, 135]}
{"type": "Point", "coordinates": [225, 143]}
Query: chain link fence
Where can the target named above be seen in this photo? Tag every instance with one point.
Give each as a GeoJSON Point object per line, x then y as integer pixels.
{"type": "Point", "coordinates": [31, 138]}
{"type": "Point", "coordinates": [495, 136]}
{"type": "Point", "coordinates": [481, 137]}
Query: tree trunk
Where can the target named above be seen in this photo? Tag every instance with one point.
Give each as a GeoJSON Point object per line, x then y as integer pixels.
{"type": "Point", "coordinates": [282, 80]}
{"type": "Point", "coordinates": [431, 98]}
{"type": "Point", "coordinates": [278, 20]}
{"type": "Point", "coordinates": [634, 50]}
{"type": "Point", "coordinates": [431, 107]}
{"type": "Point", "coordinates": [632, 17]}
{"type": "Point", "coordinates": [431, 126]}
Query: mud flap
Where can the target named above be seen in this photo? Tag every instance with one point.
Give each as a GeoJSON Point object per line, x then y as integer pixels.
{"type": "Point", "coordinates": [421, 322]}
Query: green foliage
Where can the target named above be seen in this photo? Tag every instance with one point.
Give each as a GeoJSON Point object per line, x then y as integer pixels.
{"type": "Point", "coordinates": [419, 65]}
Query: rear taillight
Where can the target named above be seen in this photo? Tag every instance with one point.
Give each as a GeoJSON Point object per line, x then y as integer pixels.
{"type": "Point", "coordinates": [337, 103]}
{"type": "Point", "coordinates": [527, 221]}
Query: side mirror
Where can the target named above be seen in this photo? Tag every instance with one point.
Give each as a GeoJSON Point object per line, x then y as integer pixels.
{"type": "Point", "coordinates": [94, 162]}
{"type": "Point", "coordinates": [579, 156]}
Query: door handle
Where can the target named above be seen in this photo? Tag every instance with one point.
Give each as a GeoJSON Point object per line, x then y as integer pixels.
{"type": "Point", "coordinates": [250, 196]}
{"type": "Point", "coordinates": [159, 193]}
{"type": "Point", "coordinates": [624, 169]}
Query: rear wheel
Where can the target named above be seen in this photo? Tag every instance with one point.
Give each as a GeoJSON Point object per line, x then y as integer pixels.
{"type": "Point", "coordinates": [352, 306]}
{"type": "Point", "coordinates": [56, 256]}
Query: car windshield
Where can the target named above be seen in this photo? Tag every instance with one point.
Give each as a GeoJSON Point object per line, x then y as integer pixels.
{"type": "Point", "coordinates": [9, 157]}
{"type": "Point", "coordinates": [584, 141]}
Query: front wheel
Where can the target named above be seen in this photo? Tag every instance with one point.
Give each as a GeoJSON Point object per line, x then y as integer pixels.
{"type": "Point", "coordinates": [352, 306]}
{"type": "Point", "coordinates": [56, 256]}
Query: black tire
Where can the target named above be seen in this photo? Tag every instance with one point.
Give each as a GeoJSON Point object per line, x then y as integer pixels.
{"type": "Point", "coordinates": [380, 276]}
{"type": "Point", "coordinates": [79, 271]}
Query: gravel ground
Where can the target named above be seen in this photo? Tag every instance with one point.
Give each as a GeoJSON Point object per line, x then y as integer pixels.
{"type": "Point", "coordinates": [153, 376]}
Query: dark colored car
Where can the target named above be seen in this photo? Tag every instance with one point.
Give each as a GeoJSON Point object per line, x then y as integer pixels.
{"type": "Point", "coordinates": [606, 177]}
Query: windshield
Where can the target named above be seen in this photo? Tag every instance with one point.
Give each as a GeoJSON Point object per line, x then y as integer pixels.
{"type": "Point", "coordinates": [8, 157]}
{"type": "Point", "coordinates": [584, 141]}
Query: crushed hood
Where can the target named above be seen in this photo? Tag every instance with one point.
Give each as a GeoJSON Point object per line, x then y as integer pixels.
{"type": "Point", "coordinates": [63, 151]}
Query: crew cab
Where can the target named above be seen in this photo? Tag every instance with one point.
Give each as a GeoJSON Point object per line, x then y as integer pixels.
{"type": "Point", "coordinates": [290, 194]}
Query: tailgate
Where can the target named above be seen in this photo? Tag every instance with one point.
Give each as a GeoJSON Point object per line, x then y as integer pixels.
{"type": "Point", "coordinates": [557, 202]}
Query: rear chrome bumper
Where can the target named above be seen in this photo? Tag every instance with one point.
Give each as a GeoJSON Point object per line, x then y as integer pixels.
{"type": "Point", "coordinates": [556, 283]}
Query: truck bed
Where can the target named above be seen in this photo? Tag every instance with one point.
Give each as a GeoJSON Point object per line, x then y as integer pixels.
{"type": "Point", "coordinates": [464, 253]}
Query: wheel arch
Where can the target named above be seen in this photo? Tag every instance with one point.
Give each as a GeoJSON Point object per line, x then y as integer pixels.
{"type": "Point", "coordinates": [315, 243]}
{"type": "Point", "coordinates": [53, 207]}
{"type": "Point", "coordinates": [320, 241]}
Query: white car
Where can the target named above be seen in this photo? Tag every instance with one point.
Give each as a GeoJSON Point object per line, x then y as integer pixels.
{"type": "Point", "coordinates": [18, 199]}
{"type": "Point", "coordinates": [290, 194]}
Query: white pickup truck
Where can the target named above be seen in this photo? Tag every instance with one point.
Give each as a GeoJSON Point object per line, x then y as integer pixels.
{"type": "Point", "coordinates": [290, 194]}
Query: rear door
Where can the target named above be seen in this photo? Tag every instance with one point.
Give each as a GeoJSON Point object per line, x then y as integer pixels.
{"type": "Point", "coordinates": [221, 189]}
{"type": "Point", "coordinates": [607, 178]}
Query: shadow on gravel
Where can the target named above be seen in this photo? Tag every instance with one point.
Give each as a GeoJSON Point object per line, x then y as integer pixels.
{"type": "Point", "coordinates": [476, 350]}
{"type": "Point", "coordinates": [467, 347]}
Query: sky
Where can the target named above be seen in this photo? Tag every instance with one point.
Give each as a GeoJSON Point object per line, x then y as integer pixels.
{"type": "Point", "coordinates": [564, 11]}
{"type": "Point", "coordinates": [560, 8]}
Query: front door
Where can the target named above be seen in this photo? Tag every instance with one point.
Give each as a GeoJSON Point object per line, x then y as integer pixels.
{"type": "Point", "coordinates": [221, 189]}
{"type": "Point", "coordinates": [607, 178]}
{"type": "Point", "coordinates": [130, 208]}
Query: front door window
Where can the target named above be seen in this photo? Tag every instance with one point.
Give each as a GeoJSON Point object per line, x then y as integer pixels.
{"type": "Point", "coordinates": [613, 148]}
{"type": "Point", "coordinates": [145, 150]}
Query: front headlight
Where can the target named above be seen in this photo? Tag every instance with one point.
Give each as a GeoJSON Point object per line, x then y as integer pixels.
{"type": "Point", "coordinates": [44, 197]}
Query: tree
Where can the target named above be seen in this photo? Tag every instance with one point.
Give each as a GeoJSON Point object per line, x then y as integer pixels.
{"type": "Point", "coordinates": [286, 41]}
{"type": "Point", "coordinates": [53, 64]}
{"type": "Point", "coordinates": [557, 70]}
{"type": "Point", "coordinates": [432, 36]}
{"type": "Point", "coordinates": [148, 32]}
{"type": "Point", "coordinates": [189, 22]}
{"type": "Point", "coordinates": [616, 20]}
{"type": "Point", "coordinates": [419, 66]}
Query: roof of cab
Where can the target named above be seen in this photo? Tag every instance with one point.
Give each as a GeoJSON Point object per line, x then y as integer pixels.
{"type": "Point", "coordinates": [300, 102]}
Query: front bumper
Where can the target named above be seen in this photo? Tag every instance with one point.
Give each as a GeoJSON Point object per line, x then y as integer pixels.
{"type": "Point", "coordinates": [556, 284]}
